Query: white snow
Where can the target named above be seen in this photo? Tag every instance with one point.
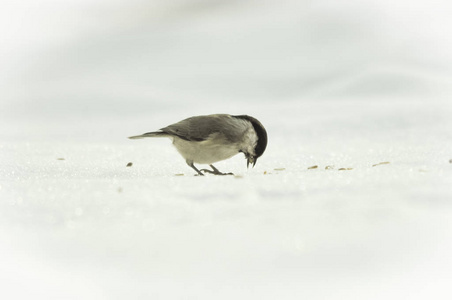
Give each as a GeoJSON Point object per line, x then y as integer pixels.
{"type": "Point", "coordinates": [357, 85]}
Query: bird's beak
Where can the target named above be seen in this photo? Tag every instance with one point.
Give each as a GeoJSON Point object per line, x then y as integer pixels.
{"type": "Point", "coordinates": [250, 160]}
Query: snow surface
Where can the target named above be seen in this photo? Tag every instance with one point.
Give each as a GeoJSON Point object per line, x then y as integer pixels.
{"type": "Point", "coordinates": [359, 85]}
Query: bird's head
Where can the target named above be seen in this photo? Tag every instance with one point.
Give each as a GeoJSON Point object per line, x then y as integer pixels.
{"type": "Point", "coordinates": [258, 149]}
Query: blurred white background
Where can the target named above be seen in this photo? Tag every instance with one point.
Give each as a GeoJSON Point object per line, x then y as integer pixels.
{"type": "Point", "coordinates": [88, 57]}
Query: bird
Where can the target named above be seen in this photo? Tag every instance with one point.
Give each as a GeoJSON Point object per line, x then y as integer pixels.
{"type": "Point", "coordinates": [211, 138]}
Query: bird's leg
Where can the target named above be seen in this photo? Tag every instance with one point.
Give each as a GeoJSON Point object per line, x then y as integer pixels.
{"type": "Point", "coordinates": [215, 171]}
{"type": "Point", "coordinates": [190, 163]}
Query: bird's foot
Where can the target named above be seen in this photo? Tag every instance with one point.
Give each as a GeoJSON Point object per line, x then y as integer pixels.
{"type": "Point", "coordinates": [215, 172]}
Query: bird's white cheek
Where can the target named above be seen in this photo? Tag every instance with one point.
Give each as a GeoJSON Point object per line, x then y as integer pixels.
{"type": "Point", "coordinates": [250, 141]}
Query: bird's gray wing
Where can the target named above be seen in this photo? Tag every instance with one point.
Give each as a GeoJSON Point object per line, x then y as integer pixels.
{"type": "Point", "coordinates": [201, 127]}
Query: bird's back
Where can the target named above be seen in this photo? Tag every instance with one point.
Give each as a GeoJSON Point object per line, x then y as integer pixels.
{"type": "Point", "coordinates": [201, 127]}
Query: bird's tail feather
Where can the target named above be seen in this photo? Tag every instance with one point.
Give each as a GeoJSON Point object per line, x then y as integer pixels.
{"type": "Point", "coordinates": [149, 134]}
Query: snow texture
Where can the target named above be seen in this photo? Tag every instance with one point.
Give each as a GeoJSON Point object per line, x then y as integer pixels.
{"type": "Point", "coordinates": [351, 200]}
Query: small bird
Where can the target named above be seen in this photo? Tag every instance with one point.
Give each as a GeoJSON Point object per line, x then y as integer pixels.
{"type": "Point", "coordinates": [212, 138]}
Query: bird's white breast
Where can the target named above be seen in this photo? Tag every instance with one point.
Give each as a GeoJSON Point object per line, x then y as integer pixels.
{"type": "Point", "coordinates": [205, 152]}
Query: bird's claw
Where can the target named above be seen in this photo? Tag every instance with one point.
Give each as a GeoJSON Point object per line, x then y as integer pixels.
{"type": "Point", "coordinates": [215, 172]}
